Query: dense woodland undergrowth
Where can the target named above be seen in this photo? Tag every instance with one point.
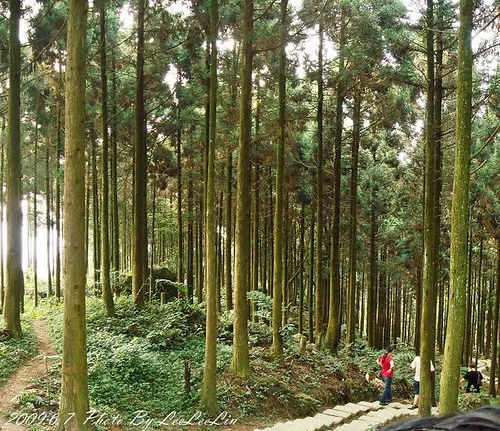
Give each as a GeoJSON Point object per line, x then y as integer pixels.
{"type": "Point", "coordinates": [137, 361]}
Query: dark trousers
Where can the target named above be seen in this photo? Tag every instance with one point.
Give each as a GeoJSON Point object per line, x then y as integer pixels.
{"type": "Point", "coordinates": [387, 394]}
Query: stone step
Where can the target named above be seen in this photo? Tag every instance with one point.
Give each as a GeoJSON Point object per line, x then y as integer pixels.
{"type": "Point", "coordinates": [374, 405]}
{"type": "Point", "coordinates": [342, 417]}
{"type": "Point", "coordinates": [387, 414]}
{"type": "Point", "coordinates": [337, 412]}
{"type": "Point", "coordinates": [398, 405]}
{"type": "Point", "coordinates": [351, 408]}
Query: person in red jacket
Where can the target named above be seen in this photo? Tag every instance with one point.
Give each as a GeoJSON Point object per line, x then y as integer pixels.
{"type": "Point", "coordinates": [386, 361]}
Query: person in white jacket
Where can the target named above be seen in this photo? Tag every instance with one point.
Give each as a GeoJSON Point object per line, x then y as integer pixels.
{"type": "Point", "coordinates": [415, 366]}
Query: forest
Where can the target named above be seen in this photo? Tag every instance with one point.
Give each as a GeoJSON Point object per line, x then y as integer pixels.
{"type": "Point", "coordinates": [217, 214]}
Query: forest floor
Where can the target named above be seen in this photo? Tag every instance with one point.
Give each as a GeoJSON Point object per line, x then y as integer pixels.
{"type": "Point", "coordinates": [137, 363]}
{"type": "Point", "coordinates": [24, 378]}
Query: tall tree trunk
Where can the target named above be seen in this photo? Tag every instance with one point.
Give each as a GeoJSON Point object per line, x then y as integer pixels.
{"type": "Point", "coordinates": [59, 145]}
{"type": "Point", "coordinates": [2, 200]}
{"type": "Point", "coordinates": [87, 223]}
{"type": "Point", "coordinates": [278, 281]}
{"type": "Point", "coordinates": [255, 245]}
{"type": "Point", "coordinates": [180, 244]}
{"type": "Point", "coordinates": [438, 136]}
{"type": "Point", "coordinates": [240, 361]}
{"type": "Point", "coordinates": [74, 403]}
{"type": "Point", "coordinates": [334, 315]}
{"type": "Point", "coordinates": [431, 247]}
{"type": "Point", "coordinates": [199, 281]}
{"type": "Point", "coordinates": [494, 348]}
{"type": "Point", "coordinates": [115, 225]}
{"type": "Point", "coordinates": [190, 245]}
{"type": "Point", "coordinates": [310, 287]}
{"type": "Point", "coordinates": [140, 238]}
{"type": "Point", "coordinates": [14, 271]}
{"type": "Point", "coordinates": [459, 215]}
{"type": "Point", "coordinates": [107, 295]}
{"type": "Point", "coordinates": [153, 245]}
{"type": "Point", "coordinates": [418, 305]}
{"type": "Point", "coordinates": [218, 247]}
{"type": "Point", "coordinates": [351, 309]}
{"type": "Point", "coordinates": [35, 212]}
{"type": "Point", "coordinates": [96, 234]}
{"type": "Point", "coordinates": [320, 295]}
{"type": "Point", "coordinates": [209, 384]}
{"type": "Point", "coordinates": [301, 267]}
{"type": "Point", "coordinates": [371, 303]}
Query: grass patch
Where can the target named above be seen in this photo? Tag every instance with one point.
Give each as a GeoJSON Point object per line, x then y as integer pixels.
{"type": "Point", "coordinates": [136, 360]}
{"type": "Point", "coordinates": [15, 353]}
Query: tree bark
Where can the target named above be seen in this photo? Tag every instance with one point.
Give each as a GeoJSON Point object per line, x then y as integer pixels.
{"type": "Point", "coordinates": [180, 243]}
{"type": "Point", "coordinates": [2, 200]}
{"type": "Point", "coordinates": [351, 309]}
{"type": "Point", "coordinates": [190, 244]}
{"type": "Point", "coordinates": [494, 348]}
{"type": "Point", "coordinates": [459, 215]}
{"type": "Point", "coordinates": [140, 239]}
{"type": "Point", "coordinates": [431, 247]}
{"type": "Point", "coordinates": [74, 403]}
{"type": "Point", "coordinates": [334, 313]}
{"type": "Point", "coordinates": [229, 228]}
{"type": "Point", "coordinates": [14, 272]}
{"type": "Point", "coordinates": [301, 267]}
{"type": "Point", "coordinates": [35, 212]}
{"type": "Point", "coordinates": [209, 384]}
{"type": "Point", "coordinates": [371, 303]}
{"type": "Point", "coordinates": [240, 362]}
{"type": "Point", "coordinates": [320, 296]}
{"type": "Point", "coordinates": [278, 281]}
{"type": "Point", "coordinates": [115, 225]}
{"type": "Point", "coordinates": [59, 145]}
{"type": "Point", "coordinates": [107, 295]}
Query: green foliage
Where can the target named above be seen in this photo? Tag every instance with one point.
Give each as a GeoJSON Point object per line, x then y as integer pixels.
{"type": "Point", "coordinates": [136, 360]}
{"type": "Point", "coordinates": [263, 304]}
{"type": "Point", "coordinates": [14, 353]}
{"type": "Point", "coordinates": [30, 397]}
{"type": "Point", "coordinates": [472, 401]}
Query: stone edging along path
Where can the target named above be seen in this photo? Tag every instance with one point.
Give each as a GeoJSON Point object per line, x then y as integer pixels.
{"type": "Point", "coordinates": [349, 417]}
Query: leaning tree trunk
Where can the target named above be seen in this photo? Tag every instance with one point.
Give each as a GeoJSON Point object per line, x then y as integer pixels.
{"type": "Point", "coordinates": [209, 384]}
{"type": "Point", "coordinates": [459, 215]}
{"type": "Point", "coordinates": [14, 271]}
{"type": "Point", "coordinates": [140, 238]}
{"type": "Point", "coordinates": [74, 403]}
{"type": "Point", "coordinates": [107, 295]}
{"type": "Point", "coordinates": [240, 362]}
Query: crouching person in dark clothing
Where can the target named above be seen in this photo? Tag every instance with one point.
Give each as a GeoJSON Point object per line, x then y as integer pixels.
{"type": "Point", "coordinates": [474, 379]}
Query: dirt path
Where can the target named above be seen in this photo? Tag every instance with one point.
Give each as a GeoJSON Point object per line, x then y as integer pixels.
{"type": "Point", "coordinates": [21, 379]}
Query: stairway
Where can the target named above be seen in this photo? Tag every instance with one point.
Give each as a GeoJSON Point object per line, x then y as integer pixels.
{"type": "Point", "coordinates": [349, 417]}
